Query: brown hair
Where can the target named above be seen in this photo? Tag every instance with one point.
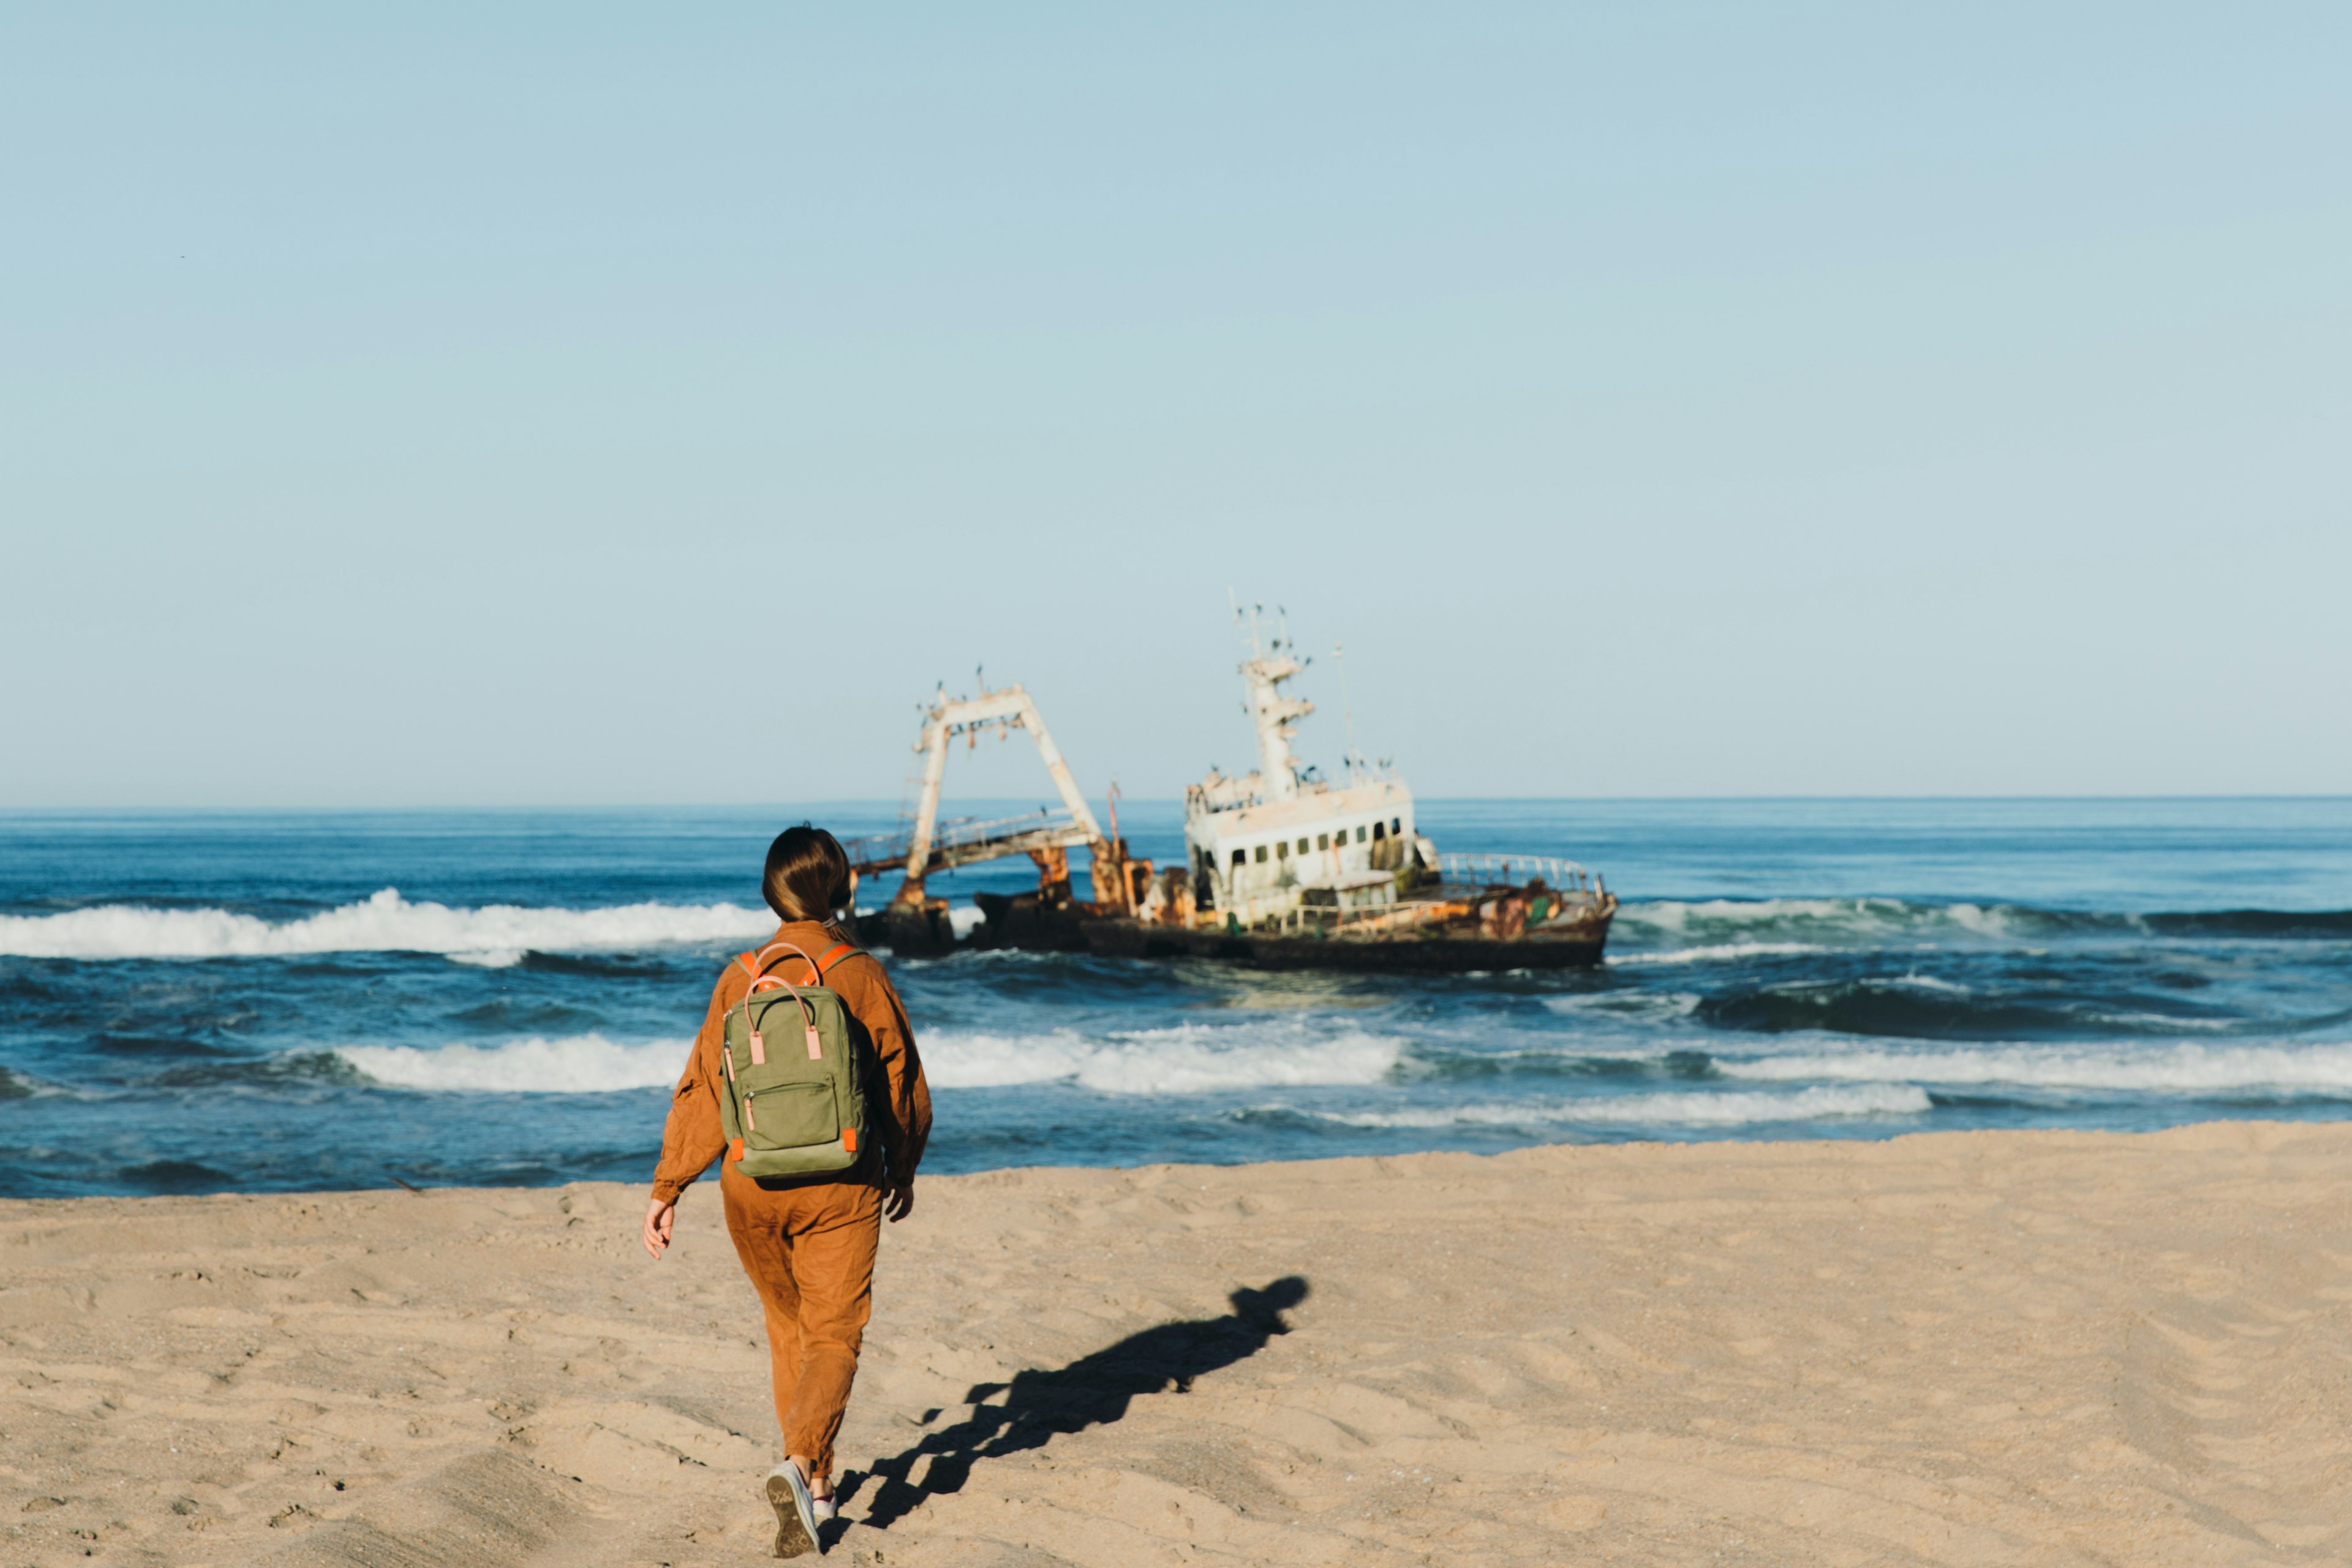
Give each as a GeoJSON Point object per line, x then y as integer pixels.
{"type": "Point", "coordinates": [808, 875]}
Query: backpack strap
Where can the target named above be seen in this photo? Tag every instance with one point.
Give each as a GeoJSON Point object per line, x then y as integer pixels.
{"type": "Point", "coordinates": [757, 965]}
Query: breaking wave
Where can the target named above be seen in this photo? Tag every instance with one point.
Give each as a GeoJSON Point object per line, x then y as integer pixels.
{"type": "Point", "coordinates": [1625, 1003]}
{"type": "Point", "coordinates": [2181, 1068]}
{"type": "Point", "coordinates": [1734, 928]}
{"type": "Point", "coordinates": [494, 935]}
{"type": "Point", "coordinates": [1720, 952]}
{"type": "Point", "coordinates": [1925, 1007]}
{"type": "Point", "coordinates": [582, 1064]}
{"type": "Point", "coordinates": [1190, 1058]}
{"type": "Point", "coordinates": [295, 1070]}
{"type": "Point", "coordinates": [1187, 1059]}
{"type": "Point", "coordinates": [1723, 1109]}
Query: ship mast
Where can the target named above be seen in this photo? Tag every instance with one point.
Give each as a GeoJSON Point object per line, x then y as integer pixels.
{"type": "Point", "coordinates": [1275, 716]}
{"type": "Point", "coordinates": [1348, 709]}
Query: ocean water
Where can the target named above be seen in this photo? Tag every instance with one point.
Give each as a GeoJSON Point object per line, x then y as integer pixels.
{"type": "Point", "coordinates": [196, 1002]}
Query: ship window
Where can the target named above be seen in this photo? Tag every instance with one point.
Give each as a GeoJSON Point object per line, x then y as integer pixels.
{"type": "Point", "coordinates": [1322, 841]}
{"type": "Point", "coordinates": [1359, 833]}
{"type": "Point", "coordinates": [1302, 844]}
{"type": "Point", "coordinates": [1240, 856]}
{"type": "Point", "coordinates": [1379, 831]}
{"type": "Point", "coordinates": [1282, 849]}
{"type": "Point", "coordinates": [1260, 854]}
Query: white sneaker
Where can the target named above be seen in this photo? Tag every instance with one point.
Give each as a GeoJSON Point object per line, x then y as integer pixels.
{"type": "Point", "coordinates": [823, 1508]}
{"type": "Point", "coordinates": [788, 1494]}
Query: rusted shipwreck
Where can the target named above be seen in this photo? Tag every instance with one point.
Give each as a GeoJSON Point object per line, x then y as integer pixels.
{"type": "Point", "coordinates": [1283, 869]}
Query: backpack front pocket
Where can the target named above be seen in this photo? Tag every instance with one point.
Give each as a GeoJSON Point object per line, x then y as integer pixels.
{"type": "Point", "coordinates": [791, 1116]}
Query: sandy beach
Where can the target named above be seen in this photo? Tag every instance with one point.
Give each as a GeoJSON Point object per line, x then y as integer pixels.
{"type": "Point", "coordinates": [2000, 1347]}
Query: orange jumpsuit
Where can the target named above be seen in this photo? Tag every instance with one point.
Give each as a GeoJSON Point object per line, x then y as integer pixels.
{"type": "Point", "coordinates": [808, 1245]}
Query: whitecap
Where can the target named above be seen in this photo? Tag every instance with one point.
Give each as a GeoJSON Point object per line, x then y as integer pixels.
{"type": "Point", "coordinates": [1674, 915]}
{"type": "Point", "coordinates": [1847, 922]}
{"type": "Point", "coordinates": [2179, 1068]}
{"type": "Point", "coordinates": [1918, 982]}
{"type": "Point", "coordinates": [1616, 1005]}
{"type": "Point", "coordinates": [383, 923]}
{"type": "Point", "coordinates": [578, 1064]}
{"type": "Point", "coordinates": [1188, 1058]}
{"type": "Point", "coordinates": [1720, 1108]}
{"type": "Point", "coordinates": [1719, 952]}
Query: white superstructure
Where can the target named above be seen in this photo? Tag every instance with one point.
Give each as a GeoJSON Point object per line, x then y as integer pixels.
{"type": "Point", "coordinates": [1280, 836]}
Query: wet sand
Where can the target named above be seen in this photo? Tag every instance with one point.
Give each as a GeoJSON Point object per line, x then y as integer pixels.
{"type": "Point", "coordinates": [2000, 1347]}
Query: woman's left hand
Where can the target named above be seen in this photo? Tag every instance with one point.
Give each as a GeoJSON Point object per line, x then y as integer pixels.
{"type": "Point", "coordinates": [659, 1217]}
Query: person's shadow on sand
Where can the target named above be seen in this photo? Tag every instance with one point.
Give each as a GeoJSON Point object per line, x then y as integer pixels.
{"type": "Point", "coordinates": [1094, 1390]}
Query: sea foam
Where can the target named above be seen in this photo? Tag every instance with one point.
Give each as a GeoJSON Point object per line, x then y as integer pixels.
{"type": "Point", "coordinates": [580, 1063]}
{"type": "Point", "coordinates": [2179, 1068]}
{"type": "Point", "coordinates": [1721, 1108]}
{"type": "Point", "coordinates": [1188, 1058]}
{"type": "Point", "coordinates": [1869, 923]}
{"type": "Point", "coordinates": [1720, 951]}
{"type": "Point", "coordinates": [492, 935]}
{"type": "Point", "coordinates": [1797, 925]}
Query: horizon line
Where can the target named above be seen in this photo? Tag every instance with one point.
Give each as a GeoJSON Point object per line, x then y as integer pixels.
{"type": "Point", "coordinates": [882, 802]}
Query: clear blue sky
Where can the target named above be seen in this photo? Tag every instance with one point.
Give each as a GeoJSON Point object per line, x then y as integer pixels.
{"type": "Point", "coordinates": [629, 404]}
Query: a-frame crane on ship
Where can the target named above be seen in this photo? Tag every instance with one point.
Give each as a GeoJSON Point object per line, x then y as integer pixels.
{"type": "Point", "coordinates": [916, 922]}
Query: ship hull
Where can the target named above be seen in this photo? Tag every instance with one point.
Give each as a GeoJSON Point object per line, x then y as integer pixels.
{"type": "Point", "coordinates": [1433, 954]}
{"type": "Point", "coordinates": [1574, 943]}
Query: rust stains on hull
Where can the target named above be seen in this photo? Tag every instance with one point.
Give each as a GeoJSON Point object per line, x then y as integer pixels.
{"type": "Point", "coordinates": [1571, 949]}
{"type": "Point", "coordinates": [1478, 937]}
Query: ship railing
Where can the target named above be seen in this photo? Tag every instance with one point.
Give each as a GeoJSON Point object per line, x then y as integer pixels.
{"type": "Point", "coordinates": [1324, 919]}
{"type": "Point", "coordinates": [963, 840]}
{"type": "Point", "coordinates": [1511, 870]}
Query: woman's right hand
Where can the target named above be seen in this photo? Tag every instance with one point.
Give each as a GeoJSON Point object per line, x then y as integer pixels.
{"type": "Point", "coordinates": [659, 1217]}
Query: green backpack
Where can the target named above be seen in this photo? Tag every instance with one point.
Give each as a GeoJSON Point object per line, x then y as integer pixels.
{"type": "Point", "coordinates": [795, 1101]}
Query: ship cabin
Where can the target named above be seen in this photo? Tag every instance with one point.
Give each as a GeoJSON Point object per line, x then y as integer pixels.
{"type": "Point", "coordinates": [1331, 847]}
{"type": "Point", "coordinates": [1279, 839]}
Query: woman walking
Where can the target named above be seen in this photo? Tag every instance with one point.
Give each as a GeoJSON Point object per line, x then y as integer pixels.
{"type": "Point", "coordinates": [846, 1131]}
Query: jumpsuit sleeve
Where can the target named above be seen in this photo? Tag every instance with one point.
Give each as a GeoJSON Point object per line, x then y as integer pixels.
{"type": "Point", "coordinates": [905, 1119]}
{"type": "Point", "coordinates": [691, 1138]}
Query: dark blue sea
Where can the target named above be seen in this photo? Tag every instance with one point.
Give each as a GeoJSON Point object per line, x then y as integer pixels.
{"type": "Point", "coordinates": [203, 1003]}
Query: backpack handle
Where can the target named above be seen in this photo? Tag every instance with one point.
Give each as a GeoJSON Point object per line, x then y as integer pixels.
{"type": "Point", "coordinates": [752, 966]}
{"type": "Point", "coordinates": [755, 965]}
